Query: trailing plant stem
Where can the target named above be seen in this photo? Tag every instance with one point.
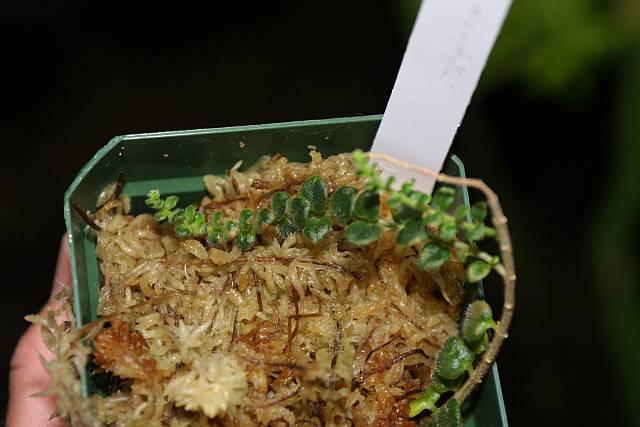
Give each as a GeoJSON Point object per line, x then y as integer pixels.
{"type": "Point", "coordinates": [507, 272]}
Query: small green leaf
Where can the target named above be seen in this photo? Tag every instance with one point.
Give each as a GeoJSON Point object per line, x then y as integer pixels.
{"type": "Point", "coordinates": [454, 359]}
{"type": "Point", "coordinates": [411, 233]}
{"type": "Point", "coordinates": [153, 199]}
{"type": "Point", "coordinates": [182, 231]}
{"type": "Point", "coordinates": [298, 212]}
{"type": "Point", "coordinates": [442, 385]}
{"type": "Point", "coordinates": [448, 230]}
{"type": "Point", "coordinates": [368, 206]}
{"type": "Point", "coordinates": [188, 215]}
{"type": "Point", "coordinates": [478, 319]}
{"type": "Point", "coordinates": [245, 224]}
{"type": "Point", "coordinates": [229, 228]}
{"type": "Point", "coordinates": [389, 183]}
{"type": "Point", "coordinates": [461, 213]}
{"type": "Point", "coordinates": [214, 237]}
{"type": "Point", "coordinates": [171, 202]}
{"type": "Point", "coordinates": [198, 225]}
{"type": "Point", "coordinates": [401, 211]}
{"type": "Point", "coordinates": [284, 228]}
{"type": "Point", "coordinates": [165, 215]}
{"type": "Point", "coordinates": [216, 218]}
{"type": "Point", "coordinates": [489, 231]}
{"type": "Point", "coordinates": [443, 198]}
{"type": "Point", "coordinates": [360, 159]}
{"type": "Point", "coordinates": [420, 199]}
{"type": "Point", "coordinates": [215, 229]}
{"type": "Point", "coordinates": [476, 232]}
{"type": "Point", "coordinates": [462, 252]}
{"type": "Point", "coordinates": [279, 204]}
{"type": "Point", "coordinates": [479, 211]}
{"type": "Point", "coordinates": [245, 241]}
{"type": "Point", "coordinates": [314, 190]}
{"type": "Point", "coordinates": [164, 208]}
{"type": "Point", "coordinates": [407, 187]}
{"type": "Point", "coordinates": [316, 228]}
{"type": "Point", "coordinates": [426, 402]}
{"type": "Point", "coordinates": [433, 256]}
{"type": "Point", "coordinates": [343, 202]}
{"type": "Point", "coordinates": [434, 219]}
{"type": "Point", "coordinates": [360, 233]}
{"type": "Point", "coordinates": [477, 271]}
{"type": "Point", "coordinates": [449, 415]}
{"type": "Point", "coordinates": [265, 217]}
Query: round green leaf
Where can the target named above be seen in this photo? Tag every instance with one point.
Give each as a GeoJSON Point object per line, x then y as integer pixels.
{"type": "Point", "coordinates": [298, 212]}
{"type": "Point", "coordinates": [477, 271]}
{"type": "Point", "coordinates": [284, 228]}
{"type": "Point", "coordinates": [314, 189]}
{"type": "Point", "coordinates": [214, 236]}
{"type": "Point", "coordinates": [462, 252]}
{"type": "Point", "coordinates": [478, 319]}
{"type": "Point", "coordinates": [461, 213]}
{"type": "Point", "coordinates": [229, 227]}
{"type": "Point", "coordinates": [402, 212]}
{"type": "Point", "coordinates": [265, 217]}
{"type": "Point", "coordinates": [426, 402]}
{"type": "Point", "coordinates": [434, 219]}
{"type": "Point", "coordinates": [171, 202]}
{"type": "Point", "coordinates": [420, 199]}
{"type": "Point", "coordinates": [479, 211]}
{"type": "Point", "coordinates": [189, 214]}
{"type": "Point", "coordinates": [442, 385]}
{"type": "Point", "coordinates": [316, 228]}
{"type": "Point", "coordinates": [454, 359]}
{"type": "Point", "coordinates": [279, 204]}
{"type": "Point", "coordinates": [215, 229]}
{"type": "Point", "coordinates": [411, 233]}
{"type": "Point", "coordinates": [343, 202]}
{"type": "Point", "coordinates": [476, 232]}
{"type": "Point", "coordinates": [433, 256]}
{"type": "Point", "coordinates": [245, 241]}
{"type": "Point", "coordinates": [216, 218]}
{"type": "Point", "coordinates": [182, 231]}
{"type": "Point", "coordinates": [153, 199]}
{"type": "Point", "coordinates": [199, 225]}
{"type": "Point", "coordinates": [449, 415]}
{"type": "Point", "coordinates": [448, 230]}
{"type": "Point", "coordinates": [443, 198]}
{"type": "Point", "coordinates": [245, 221]}
{"type": "Point", "coordinates": [489, 231]}
{"type": "Point", "coordinates": [407, 187]}
{"type": "Point", "coordinates": [368, 206]}
{"type": "Point", "coordinates": [362, 233]}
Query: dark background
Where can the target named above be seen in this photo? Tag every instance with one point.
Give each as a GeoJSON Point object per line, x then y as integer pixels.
{"type": "Point", "coordinates": [553, 129]}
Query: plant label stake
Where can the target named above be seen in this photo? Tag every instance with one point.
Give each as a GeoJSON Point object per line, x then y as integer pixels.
{"type": "Point", "coordinates": [446, 53]}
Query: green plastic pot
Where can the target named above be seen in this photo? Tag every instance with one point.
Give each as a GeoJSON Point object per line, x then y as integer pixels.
{"type": "Point", "coordinates": [175, 163]}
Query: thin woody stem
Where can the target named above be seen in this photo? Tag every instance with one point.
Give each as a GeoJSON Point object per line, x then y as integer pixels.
{"type": "Point", "coordinates": [508, 274]}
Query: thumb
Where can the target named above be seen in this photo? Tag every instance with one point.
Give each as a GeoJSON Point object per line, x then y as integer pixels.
{"type": "Point", "coordinates": [27, 375]}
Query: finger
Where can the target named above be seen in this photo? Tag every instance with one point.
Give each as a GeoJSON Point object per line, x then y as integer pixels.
{"type": "Point", "coordinates": [62, 277]}
{"type": "Point", "coordinates": [26, 378]}
{"type": "Point", "coordinates": [27, 375]}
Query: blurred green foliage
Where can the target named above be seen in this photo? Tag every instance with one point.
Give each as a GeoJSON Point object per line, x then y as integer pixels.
{"type": "Point", "coordinates": [553, 47]}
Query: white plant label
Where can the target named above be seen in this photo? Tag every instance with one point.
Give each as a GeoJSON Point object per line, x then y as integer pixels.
{"type": "Point", "coordinates": [447, 51]}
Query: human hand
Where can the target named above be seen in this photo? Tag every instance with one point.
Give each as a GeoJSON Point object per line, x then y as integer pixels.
{"type": "Point", "coordinates": [27, 375]}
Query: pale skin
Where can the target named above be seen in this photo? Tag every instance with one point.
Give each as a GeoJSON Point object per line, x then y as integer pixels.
{"type": "Point", "coordinates": [27, 375]}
